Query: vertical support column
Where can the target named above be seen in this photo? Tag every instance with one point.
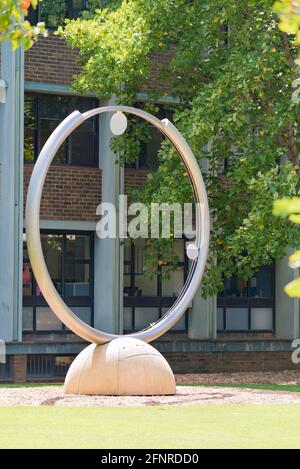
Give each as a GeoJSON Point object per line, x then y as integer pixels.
{"type": "Point", "coordinates": [11, 193]}
{"type": "Point", "coordinates": [108, 279]}
{"type": "Point", "coordinates": [286, 308]}
{"type": "Point", "coordinates": [203, 313]}
{"type": "Point", "coordinates": [202, 317]}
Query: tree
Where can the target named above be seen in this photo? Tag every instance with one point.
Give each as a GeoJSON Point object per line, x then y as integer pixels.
{"type": "Point", "coordinates": [289, 14]}
{"type": "Point", "coordinates": [14, 27]}
{"type": "Point", "coordinates": [232, 71]}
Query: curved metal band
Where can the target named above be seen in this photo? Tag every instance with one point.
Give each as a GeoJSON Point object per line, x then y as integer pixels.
{"type": "Point", "coordinates": [34, 246]}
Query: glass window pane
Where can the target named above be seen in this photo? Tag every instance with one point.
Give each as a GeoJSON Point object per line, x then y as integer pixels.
{"type": "Point", "coordinates": [179, 248]}
{"type": "Point", "coordinates": [27, 318]}
{"type": "Point", "coordinates": [127, 319]}
{"type": "Point", "coordinates": [29, 145]}
{"type": "Point", "coordinates": [261, 285]}
{"type": "Point", "coordinates": [84, 313]}
{"type": "Point", "coordinates": [77, 247]}
{"type": "Point", "coordinates": [148, 155]}
{"type": "Point", "coordinates": [139, 254]}
{"type": "Point", "coordinates": [53, 12]}
{"type": "Point", "coordinates": [27, 279]}
{"type": "Point", "coordinates": [82, 148]}
{"type": "Point", "coordinates": [127, 251]}
{"type": "Point", "coordinates": [52, 110]}
{"type": "Point", "coordinates": [62, 364]}
{"type": "Point", "coordinates": [145, 316]}
{"type": "Point", "coordinates": [77, 279]}
{"type": "Point", "coordinates": [173, 285]}
{"type": "Point", "coordinates": [181, 325]}
{"type": "Point", "coordinates": [30, 103]}
{"type": "Point", "coordinates": [145, 285]}
{"type": "Point", "coordinates": [127, 285]}
{"type": "Point", "coordinates": [237, 319]}
{"type": "Point", "coordinates": [220, 319]}
{"type": "Point", "coordinates": [53, 106]}
{"type": "Point", "coordinates": [235, 288]}
{"type": "Point", "coordinates": [261, 319]}
{"type": "Point", "coordinates": [52, 248]}
{"type": "Point", "coordinates": [46, 320]}
{"type": "Point", "coordinates": [77, 7]}
{"type": "Point", "coordinates": [84, 138]}
{"type": "Point", "coordinates": [47, 127]}
{"type": "Point", "coordinates": [30, 125]}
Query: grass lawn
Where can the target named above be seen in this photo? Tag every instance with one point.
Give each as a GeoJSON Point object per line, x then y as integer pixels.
{"type": "Point", "coordinates": [228, 426]}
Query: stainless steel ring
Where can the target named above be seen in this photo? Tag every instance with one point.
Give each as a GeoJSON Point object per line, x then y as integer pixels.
{"type": "Point", "coordinates": [34, 246]}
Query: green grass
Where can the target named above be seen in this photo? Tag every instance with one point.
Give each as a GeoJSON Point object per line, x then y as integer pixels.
{"type": "Point", "coordinates": [226, 426]}
{"type": "Point", "coordinates": [28, 385]}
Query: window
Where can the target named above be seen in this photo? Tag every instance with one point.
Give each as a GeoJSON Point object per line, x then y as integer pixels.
{"type": "Point", "coordinates": [147, 158]}
{"type": "Point", "coordinates": [44, 112]}
{"type": "Point", "coordinates": [48, 366]}
{"type": "Point", "coordinates": [69, 260]}
{"type": "Point", "coordinates": [54, 12]}
{"type": "Point", "coordinates": [147, 299]}
{"type": "Point", "coordinates": [248, 306]}
{"type": "Point", "coordinates": [5, 369]}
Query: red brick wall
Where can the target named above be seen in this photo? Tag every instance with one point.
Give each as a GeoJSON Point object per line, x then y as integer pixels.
{"type": "Point", "coordinates": [134, 178]}
{"type": "Point", "coordinates": [196, 362]}
{"type": "Point", "coordinates": [51, 61]}
{"type": "Point", "coordinates": [70, 193]}
{"type": "Point", "coordinates": [219, 362]}
{"type": "Point", "coordinates": [73, 193]}
{"type": "Point", "coordinates": [159, 60]}
{"type": "Point", "coordinates": [18, 368]}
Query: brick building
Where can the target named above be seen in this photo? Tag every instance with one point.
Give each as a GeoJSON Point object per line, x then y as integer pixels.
{"type": "Point", "coordinates": [250, 326]}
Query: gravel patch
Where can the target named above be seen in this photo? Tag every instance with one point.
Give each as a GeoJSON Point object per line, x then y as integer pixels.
{"type": "Point", "coordinates": [258, 377]}
{"type": "Point", "coordinates": [185, 396]}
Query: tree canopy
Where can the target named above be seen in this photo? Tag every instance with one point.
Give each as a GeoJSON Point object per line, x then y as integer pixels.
{"type": "Point", "coordinates": [14, 27]}
{"type": "Point", "coordinates": [231, 73]}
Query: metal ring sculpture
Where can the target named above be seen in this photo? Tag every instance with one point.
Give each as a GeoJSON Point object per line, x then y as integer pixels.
{"type": "Point", "coordinates": [34, 246]}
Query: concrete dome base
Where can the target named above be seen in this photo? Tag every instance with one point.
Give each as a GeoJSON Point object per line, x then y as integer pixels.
{"type": "Point", "coordinates": [123, 367]}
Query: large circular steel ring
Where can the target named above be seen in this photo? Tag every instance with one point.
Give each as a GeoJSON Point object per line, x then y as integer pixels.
{"type": "Point", "coordinates": [34, 245]}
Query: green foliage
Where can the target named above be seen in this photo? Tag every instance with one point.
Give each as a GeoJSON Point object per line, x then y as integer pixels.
{"type": "Point", "coordinates": [289, 13]}
{"type": "Point", "coordinates": [14, 27]}
{"type": "Point", "coordinates": [232, 72]}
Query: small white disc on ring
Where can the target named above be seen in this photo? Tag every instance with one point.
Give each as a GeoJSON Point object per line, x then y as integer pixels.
{"type": "Point", "coordinates": [192, 251]}
{"type": "Point", "coordinates": [118, 123]}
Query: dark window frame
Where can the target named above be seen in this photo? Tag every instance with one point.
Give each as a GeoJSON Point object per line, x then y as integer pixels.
{"type": "Point", "coordinates": [35, 301]}
{"type": "Point", "coordinates": [35, 15]}
{"type": "Point", "coordinates": [249, 302]}
{"type": "Point", "coordinates": [41, 366]}
{"type": "Point", "coordinates": [141, 162]}
{"type": "Point", "coordinates": [159, 301]}
{"type": "Point", "coordinates": [68, 152]}
{"type": "Point", "coordinates": [6, 369]}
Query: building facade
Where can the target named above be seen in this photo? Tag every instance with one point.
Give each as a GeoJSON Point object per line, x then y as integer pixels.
{"type": "Point", "coordinates": [250, 326]}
